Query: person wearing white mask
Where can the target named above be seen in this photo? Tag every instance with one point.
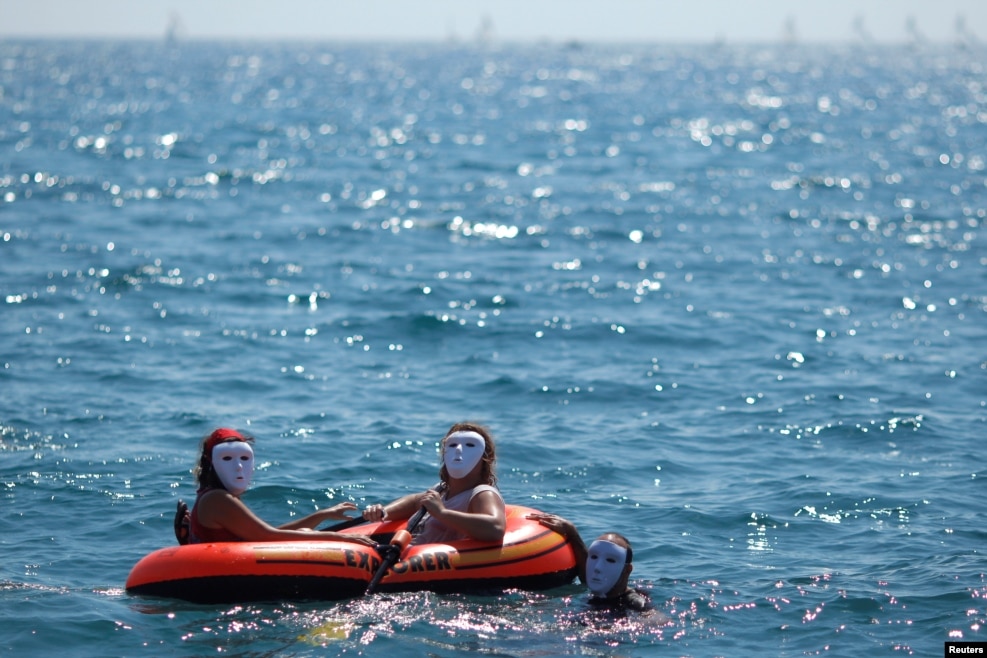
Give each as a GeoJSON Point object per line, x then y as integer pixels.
{"type": "Point", "coordinates": [605, 566]}
{"type": "Point", "coordinates": [467, 503]}
{"type": "Point", "coordinates": [224, 473]}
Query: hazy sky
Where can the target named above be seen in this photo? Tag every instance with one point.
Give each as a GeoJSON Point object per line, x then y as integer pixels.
{"type": "Point", "coordinates": [508, 20]}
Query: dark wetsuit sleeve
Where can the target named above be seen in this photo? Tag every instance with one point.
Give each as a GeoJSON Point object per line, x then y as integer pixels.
{"type": "Point", "coordinates": [636, 600]}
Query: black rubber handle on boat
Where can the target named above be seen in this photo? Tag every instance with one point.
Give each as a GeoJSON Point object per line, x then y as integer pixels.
{"type": "Point", "coordinates": [391, 553]}
{"type": "Point", "coordinates": [348, 523]}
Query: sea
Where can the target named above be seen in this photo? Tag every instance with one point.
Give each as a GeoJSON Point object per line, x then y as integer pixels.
{"type": "Point", "coordinates": [729, 300]}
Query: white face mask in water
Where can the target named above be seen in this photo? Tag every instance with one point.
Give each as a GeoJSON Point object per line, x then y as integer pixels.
{"type": "Point", "coordinates": [605, 563]}
{"type": "Point", "coordinates": [234, 464]}
{"type": "Point", "coordinates": [461, 452]}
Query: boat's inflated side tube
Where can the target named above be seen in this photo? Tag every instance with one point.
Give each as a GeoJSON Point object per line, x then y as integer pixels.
{"type": "Point", "coordinates": [530, 557]}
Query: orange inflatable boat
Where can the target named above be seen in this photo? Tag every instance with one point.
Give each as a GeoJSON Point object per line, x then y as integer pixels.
{"type": "Point", "coordinates": [531, 557]}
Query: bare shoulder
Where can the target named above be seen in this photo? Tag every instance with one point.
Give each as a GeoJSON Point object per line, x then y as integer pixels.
{"type": "Point", "coordinates": [489, 494]}
{"type": "Point", "coordinates": [487, 500]}
{"type": "Point", "coordinates": [218, 502]}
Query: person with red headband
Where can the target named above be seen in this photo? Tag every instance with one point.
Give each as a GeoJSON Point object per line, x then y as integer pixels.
{"type": "Point", "coordinates": [466, 504]}
{"type": "Point", "coordinates": [224, 472]}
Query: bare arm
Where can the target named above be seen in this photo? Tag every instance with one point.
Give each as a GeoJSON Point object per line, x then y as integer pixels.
{"type": "Point", "coordinates": [315, 519]}
{"type": "Point", "coordinates": [402, 508]}
{"type": "Point", "coordinates": [219, 509]}
{"type": "Point", "coordinates": [566, 528]}
{"type": "Point", "coordinates": [485, 519]}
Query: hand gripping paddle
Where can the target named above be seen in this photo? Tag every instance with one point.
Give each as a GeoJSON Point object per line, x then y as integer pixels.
{"type": "Point", "coordinates": [393, 551]}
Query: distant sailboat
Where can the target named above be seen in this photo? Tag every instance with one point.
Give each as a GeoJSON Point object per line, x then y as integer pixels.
{"type": "Point", "coordinates": [175, 31]}
{"type": "Point", "coordinates": [485, 32]}
{"type": "Point", "coordinates": [915, 36]}
{"type": "Point", "coordinates": [790, 34]}
{"type": "Point", "coordinates": [964, 37]}
{"type": "Point", "coordinates": [861, 31]}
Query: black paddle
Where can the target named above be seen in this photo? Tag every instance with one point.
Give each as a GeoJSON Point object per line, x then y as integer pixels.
{"type": "Point", "coordinates": [392, 552]}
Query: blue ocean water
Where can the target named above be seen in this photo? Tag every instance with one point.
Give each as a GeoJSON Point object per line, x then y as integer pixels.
{"type": "Point", "coordinates": [728, 300]}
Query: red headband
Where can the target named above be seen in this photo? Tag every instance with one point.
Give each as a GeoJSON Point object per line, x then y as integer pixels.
{"type": "Point", "coordinates": [222, 435]}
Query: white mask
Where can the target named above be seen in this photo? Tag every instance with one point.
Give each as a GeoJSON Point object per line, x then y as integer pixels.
{"type": "Point", "coordinates": [234, 464]}
{"type": "Point", "coordinates": [605, 562]}
{"type": "Point", "coordinates": [461, 452]}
